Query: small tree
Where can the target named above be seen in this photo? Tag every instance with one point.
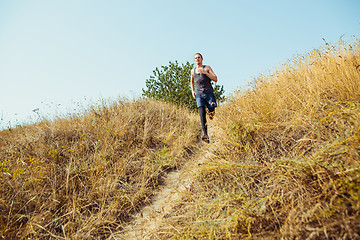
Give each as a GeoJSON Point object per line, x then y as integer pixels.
{"type": "Point", "coordinates": [172, 84]}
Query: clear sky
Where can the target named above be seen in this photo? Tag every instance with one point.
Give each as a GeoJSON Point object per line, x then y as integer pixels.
{"type": "Point", "coordinates": [57, 56]}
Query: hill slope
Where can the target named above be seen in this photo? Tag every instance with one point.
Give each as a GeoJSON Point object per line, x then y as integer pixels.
{"type": "Point", "coordinates": [83, 177]}
{"type": "Point", "coordinates": [284, 163]}
{"type": "Point", "coordinates": [287, 164]}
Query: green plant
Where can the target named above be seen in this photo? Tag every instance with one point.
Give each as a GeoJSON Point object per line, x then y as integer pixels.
{"type": "Point", "coordinates": [172, 84]}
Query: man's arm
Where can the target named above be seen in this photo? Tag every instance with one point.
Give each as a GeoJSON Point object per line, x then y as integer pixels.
{"type": "Point", "coordinates": [192, 84]}
{"type": "Point", "coordinates": [210, 73]}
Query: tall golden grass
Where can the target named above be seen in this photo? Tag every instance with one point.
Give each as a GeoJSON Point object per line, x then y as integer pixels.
{"type": "Point", "coordinates": [83, 177]}
{"type": "Point", "coordinates": [287, 164]}
{"type": "Point", "coordinates": [284, 165]}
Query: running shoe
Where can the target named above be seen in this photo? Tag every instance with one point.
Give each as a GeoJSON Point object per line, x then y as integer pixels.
{"type": "Point", "coordinates": [205, 138]}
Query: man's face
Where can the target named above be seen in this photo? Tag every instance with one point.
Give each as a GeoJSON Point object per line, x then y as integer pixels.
{"type": "Point", "coordinates": [198, 58]}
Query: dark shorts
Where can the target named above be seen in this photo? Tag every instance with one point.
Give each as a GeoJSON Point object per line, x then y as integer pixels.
{"type": "Point", "coordinates": [206, 99]}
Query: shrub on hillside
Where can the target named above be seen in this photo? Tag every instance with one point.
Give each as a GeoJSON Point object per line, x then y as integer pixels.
{"type": "Point", "coordinates": [172, 84]}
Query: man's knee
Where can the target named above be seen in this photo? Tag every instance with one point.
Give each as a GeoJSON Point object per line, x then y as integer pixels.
{"type": "Point", "coordinates": [211, 109]}
{"type": "Point", "coordinates": [212, 105]}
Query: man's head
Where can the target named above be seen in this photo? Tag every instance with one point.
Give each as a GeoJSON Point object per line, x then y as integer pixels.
{"type": "Point", "coordinates": [198, 58]}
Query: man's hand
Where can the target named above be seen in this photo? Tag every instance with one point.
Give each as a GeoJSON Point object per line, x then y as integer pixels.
{"type": "Point", "coordinates": [193, 94]}
{"type": "Point", "coordinates": [208, 72]}
{"type": "Point", "coordinates": [203, 71]}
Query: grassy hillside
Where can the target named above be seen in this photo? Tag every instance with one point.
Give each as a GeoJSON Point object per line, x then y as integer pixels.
{"type": "Point", "coordinates": [287, 162]}
{"type": "Point", "coordinates": [81, 178]}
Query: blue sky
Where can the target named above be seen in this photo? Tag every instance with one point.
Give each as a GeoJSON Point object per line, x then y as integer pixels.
{"type": "Point", "coordinates": [59, 56]}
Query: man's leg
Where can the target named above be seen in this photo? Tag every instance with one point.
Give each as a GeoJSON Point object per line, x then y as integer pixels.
{"type": "Point", "coordinates": [202, 113]}
{"type": "Point", "coordinates": [201, 104]}
{"type": "Point", "coordinates": [211, 105]}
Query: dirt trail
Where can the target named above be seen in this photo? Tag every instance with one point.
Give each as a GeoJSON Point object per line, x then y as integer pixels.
{"type": "Point", "coordinates": [147, 222]}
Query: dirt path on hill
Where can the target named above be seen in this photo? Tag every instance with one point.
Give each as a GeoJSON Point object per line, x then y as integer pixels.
{"type": "Point", "coordinates": [147, 222]}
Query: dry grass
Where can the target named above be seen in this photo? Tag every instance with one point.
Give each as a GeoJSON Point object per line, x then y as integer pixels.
{"type": "Point", "coordinates": [287, 164]}
{"type": "Point", "coordinates": [81, 178]}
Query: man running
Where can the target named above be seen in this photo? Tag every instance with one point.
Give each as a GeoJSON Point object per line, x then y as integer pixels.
{"type": "Point", "coordinates": [203, 91]}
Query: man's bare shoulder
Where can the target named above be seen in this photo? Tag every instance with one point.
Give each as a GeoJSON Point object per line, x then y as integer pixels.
{"type": "Point", "coordinates": [207, 67]}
